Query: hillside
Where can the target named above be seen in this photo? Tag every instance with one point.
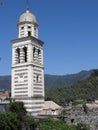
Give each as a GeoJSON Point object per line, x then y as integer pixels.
{"type": "Point", "coordinates": [85, 90]}
{"type": "Point", "coordinates": [51, 81]}
{"type": "Point", "coordinates": [54, 81]}
{"type": "Point", "coordinates": [5, 82]}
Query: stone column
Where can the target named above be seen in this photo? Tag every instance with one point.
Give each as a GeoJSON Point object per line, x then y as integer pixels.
{"type": "Point", "coordinates": [39, 56]}
{"type": "Point", "coordinates": [36, 56]}
{"type": "Point", "coordinates": [16, 56]}
{"type": "Point", "coordinates": [21, 55]}
{"type": "Point", "coordinates": [13, 56]}
{"type": "Point", "coordinates": [29, 53]}
{"type": "Point", "coordinates": [42, 56]}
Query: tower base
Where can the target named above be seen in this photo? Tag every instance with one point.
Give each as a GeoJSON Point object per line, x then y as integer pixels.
{"type": "Point", "coordinates": [33, 105]}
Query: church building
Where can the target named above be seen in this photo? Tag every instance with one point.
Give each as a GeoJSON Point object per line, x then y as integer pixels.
{"type": "Point", "coordinates": [27, 65]}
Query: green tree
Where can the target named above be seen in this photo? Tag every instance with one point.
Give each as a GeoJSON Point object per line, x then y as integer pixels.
{"type": "Point", "coordinates": [28, 121]}
{"type": "Point", "coordinates": [16, 117]}
{"type": "Point", "coordinates": [54, 124]}
{"type": "Point", "coordinates": [8, 121]}
{"type": "Point", "coordinates": [19, 109]}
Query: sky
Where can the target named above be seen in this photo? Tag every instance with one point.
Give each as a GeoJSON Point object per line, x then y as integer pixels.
{"type": "Point", "coordinates": [69, 29]}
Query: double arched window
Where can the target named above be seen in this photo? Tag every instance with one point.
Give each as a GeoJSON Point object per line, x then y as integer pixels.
{"type": "Point", "coordinates": [21, 55]}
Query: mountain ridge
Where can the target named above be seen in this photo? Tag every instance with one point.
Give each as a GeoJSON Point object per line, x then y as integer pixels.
{"type": "Point", "coordinates": [80, 92]}
{"type": "Point", "coordinates": [51, 81]}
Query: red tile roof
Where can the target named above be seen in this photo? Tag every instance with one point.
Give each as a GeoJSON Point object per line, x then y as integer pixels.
{"type": "Point", "coordinates": [4, 94]}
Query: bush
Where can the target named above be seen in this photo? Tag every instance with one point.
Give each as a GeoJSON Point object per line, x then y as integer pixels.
{"type": "Point", "coordinates": [82, 126]}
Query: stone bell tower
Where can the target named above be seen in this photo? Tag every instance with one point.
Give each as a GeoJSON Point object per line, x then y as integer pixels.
{"type": "Point", "coordinates": [27, 65]}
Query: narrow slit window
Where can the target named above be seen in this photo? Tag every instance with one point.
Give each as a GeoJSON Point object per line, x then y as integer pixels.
{"type": "Point", "coordinates": [35, 29]}
{"type": "Point", "coordinates": [22, 28]}
{"type": "Point", "coordinates": [37, 78]}
{"type": "Point", "coordinates": [29, 27]}
{"type": "Point", "coordinates": [29, 33]}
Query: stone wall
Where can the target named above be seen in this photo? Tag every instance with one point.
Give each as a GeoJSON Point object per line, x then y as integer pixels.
{"type": "Point", "coordinates": [80, 113]}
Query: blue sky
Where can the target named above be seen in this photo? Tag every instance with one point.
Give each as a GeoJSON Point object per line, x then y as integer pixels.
{"type": "Point", "coordinates": [69, 29]}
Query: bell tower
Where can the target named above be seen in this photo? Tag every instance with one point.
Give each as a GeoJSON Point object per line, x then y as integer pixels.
{"type": "Point", "coordinates": [27, 65]}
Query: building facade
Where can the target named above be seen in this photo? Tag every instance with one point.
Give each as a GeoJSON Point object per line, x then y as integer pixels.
{"type": "Point", "coordinates": [27, 65]}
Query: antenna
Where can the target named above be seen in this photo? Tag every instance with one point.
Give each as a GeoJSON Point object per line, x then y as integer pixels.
{"type": "Point", "coordinates": [27, 2]}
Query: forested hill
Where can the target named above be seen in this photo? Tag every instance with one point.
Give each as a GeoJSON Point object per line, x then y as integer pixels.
{"type": "Point", "coordinates": [85, 90]}
{"type": "Point", "coordinates": [5, 82]}
{"type": "Point", "coordinates": [54, 81]}
{"type": "Point", "coordinates": [51, 81]}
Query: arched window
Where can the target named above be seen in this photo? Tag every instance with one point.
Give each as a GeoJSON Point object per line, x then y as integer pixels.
{"type": "Point", "coordinates": [37, 78]}
{"type": "Point", "coordinates": [39, 52]}
{"type": "Point", "coordinates": [18, 55]}
{"type": "Point", "coordinates": [25, 54]}
{"type": "Point", "coordinates": [29, 33]}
